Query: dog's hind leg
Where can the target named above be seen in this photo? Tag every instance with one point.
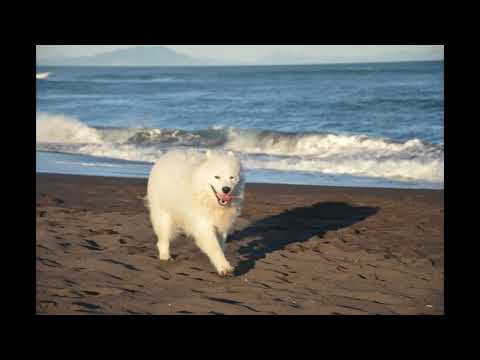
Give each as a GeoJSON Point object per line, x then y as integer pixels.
{"type": "Point", "coordinates": [223, 241]}
{"type": "Point", "coordinates": [163, 227]}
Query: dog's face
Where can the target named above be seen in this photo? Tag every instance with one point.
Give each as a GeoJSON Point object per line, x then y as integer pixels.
{"type": "Point", "coordinates": [222, 176]}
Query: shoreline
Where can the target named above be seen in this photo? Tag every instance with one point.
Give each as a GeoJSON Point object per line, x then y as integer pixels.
{"type": "Point", "coordinates": [254, 184]}
{"type": "Point", "coordinates": [297, 249]}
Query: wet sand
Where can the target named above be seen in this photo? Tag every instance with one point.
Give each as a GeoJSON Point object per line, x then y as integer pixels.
{"type": "Point", "coordinates": [296, 249]}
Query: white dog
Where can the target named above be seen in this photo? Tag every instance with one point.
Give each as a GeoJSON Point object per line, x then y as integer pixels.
{"type": "Point", "coordinates": [199, 194]}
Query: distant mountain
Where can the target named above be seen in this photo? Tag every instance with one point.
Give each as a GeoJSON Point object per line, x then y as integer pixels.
{"type": "Point", "coordinates": [136, 56]}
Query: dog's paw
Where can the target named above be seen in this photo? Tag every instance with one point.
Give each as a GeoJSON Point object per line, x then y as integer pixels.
{"type": "Point", "coordinates": [226, 271]}
{"type": "Point", "coordinates": [165, 257]}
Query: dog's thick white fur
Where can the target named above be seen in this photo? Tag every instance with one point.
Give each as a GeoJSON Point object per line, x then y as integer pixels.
{"type": "Point", "coordinates": [187, 192]}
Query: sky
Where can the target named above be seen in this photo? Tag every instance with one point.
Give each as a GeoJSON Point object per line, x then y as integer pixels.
{"type": "Point", "coordinates": [265, 53]}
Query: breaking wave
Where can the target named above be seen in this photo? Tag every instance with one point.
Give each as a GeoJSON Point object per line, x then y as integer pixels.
{"type": "Point", "coordinates": [357, 155]}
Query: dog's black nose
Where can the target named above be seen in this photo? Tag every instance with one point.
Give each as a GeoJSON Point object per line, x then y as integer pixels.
{"type": "Point", "coordinates": [226, 190]}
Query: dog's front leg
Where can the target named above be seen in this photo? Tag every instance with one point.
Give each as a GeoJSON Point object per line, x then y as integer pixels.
{"type": "Point", "coordinates": [207, 241]}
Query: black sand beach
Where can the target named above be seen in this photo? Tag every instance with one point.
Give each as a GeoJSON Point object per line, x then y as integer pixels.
{"type": "Point", "coordinates": [296, 249]}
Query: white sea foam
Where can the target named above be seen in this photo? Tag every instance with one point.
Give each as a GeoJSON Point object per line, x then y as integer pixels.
{"type": "Point", "coordinates": [402, 170]}
{"type": "Point", "coordinates": [42, 76]}
{"type": "Point", "coordinates": [321, 145]}
{"type": "Point", "coordinates": [355, 155]}
{"type": "Point", "coordinates": [62, 129]}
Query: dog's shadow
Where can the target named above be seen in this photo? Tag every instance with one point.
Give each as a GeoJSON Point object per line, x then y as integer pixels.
{"type": "Point", "coordinates": [294, 226]}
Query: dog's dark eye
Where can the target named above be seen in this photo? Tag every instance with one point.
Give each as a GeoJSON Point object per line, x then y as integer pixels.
{"type": "Point", "coordinates": [231, 177]}
{"type": "Point", "coordinates": [217, 177]}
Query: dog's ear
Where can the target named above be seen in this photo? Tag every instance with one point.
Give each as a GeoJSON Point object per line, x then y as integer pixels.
{"type": "Point", "coordinates": [230, 153]}
{"type": "Point", "coordinates": [209, 153]}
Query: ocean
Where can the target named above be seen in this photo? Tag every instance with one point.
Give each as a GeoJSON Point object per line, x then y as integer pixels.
{"type": "Point", "coordinates": [361, 125]}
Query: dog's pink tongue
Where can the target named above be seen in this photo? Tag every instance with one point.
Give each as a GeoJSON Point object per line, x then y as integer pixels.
{"type": "Point", "coordinates": [227, 197]}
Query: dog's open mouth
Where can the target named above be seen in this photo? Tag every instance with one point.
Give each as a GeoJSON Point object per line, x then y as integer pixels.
{"type": "Point", "coordinates": [222, 199]}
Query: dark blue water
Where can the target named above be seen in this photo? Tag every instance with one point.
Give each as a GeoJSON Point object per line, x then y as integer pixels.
{"type": "Point", "coordinates": [359, 125]}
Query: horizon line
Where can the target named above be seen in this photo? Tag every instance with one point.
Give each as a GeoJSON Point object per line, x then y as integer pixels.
{"type": "Point", "coordinates": [253, 65]}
